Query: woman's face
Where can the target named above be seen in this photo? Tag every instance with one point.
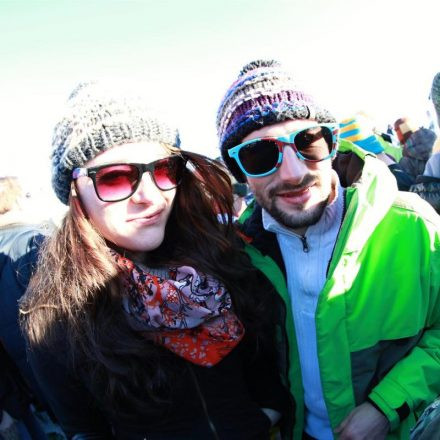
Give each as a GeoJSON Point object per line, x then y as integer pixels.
{"type": "Point", "coordinates": [137, 223]}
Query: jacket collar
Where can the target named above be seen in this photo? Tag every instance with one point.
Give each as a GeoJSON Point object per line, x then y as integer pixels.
{"type": "Point", "coordinates": [265, 241]}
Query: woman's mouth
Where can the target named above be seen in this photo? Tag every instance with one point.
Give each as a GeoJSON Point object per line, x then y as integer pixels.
{"type": "Point", "coordinates": [146, 220]}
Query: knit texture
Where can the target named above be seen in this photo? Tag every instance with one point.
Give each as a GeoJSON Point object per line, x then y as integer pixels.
{"type": "Point", "coordinates": [358, 131]}
{"type": "Point", "coordinates": [435, 95]}
{"type": "Point", "coordinates": [263, 94]}
{"type": "Point", "coordinates": [96, 119]}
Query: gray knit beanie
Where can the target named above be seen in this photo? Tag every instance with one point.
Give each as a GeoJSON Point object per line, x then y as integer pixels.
{"type": "Point", "coordinates": [263, 94]}
{"type": "Point", "coordinates": [96, 119]}
{"type": "Point", "coordinates": [435, 95]}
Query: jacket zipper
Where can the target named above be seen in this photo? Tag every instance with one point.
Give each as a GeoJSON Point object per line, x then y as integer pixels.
{"type": "Point", "coordinates": [344, 211]}
{"type": "Point", "coordinates": [304, 243]}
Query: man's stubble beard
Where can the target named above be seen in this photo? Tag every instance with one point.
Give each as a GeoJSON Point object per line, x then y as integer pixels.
{"type": "Point", "coordinates": [299, 218]}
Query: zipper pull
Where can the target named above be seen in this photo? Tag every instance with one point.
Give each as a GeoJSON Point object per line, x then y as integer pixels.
{"type": "Point", "coordinates": [305, 244]}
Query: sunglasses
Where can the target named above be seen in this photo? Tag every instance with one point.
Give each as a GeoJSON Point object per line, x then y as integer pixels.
{"type": "Point", "coordinates": [263, 156]}
{"type": "Point", "coordinates": [119, 181]}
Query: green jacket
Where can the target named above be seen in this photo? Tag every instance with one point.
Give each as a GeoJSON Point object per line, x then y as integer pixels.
{"type": "Point", "coordinates": [378, 315]}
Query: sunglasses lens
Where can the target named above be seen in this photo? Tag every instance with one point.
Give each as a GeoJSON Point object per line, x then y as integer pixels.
{"type": "Point", "coordinates": [168, 172]}
{"type": "Point", "coordinates": [259, 157]}
{"type": "Point", "coordinates": [116, 182]}
{"type": "Point", "coordinates": [315, 143]}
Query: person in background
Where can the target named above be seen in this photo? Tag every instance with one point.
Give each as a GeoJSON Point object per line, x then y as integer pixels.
{"type": "Point", "coordinates": [145, 318]}
{"type": "Point", "coordinates": [19, 243]}
{"type": "Point", "coordinates": [428, 425]}
{"type": "Point", "coordinates": [417, 143]}
{"type": "Point", "coordinates": [355, 261]}
{"type": "Point", "coordinates": [435, 96]}
{"type": "Point", "coordinates": [359, 130]}
{"type": "Point", "coordinates": [427, 185]}
{"type": "Point", "coordinates": [240, 192]}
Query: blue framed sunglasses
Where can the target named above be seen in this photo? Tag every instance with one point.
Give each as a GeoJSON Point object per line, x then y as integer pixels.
{"type": "Point", "coordinates": [263, 156]}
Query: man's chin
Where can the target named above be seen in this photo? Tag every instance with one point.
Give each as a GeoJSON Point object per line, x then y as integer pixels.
{"type": "Point", "coordinates": [299, 216]}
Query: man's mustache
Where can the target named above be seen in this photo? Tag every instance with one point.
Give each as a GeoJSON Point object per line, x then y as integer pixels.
{"type": "Point", "coordinates": [307, 181]}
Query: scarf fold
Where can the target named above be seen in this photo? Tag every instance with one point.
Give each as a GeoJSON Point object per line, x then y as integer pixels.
{"type": "Point", "coordinates": [188, 312]}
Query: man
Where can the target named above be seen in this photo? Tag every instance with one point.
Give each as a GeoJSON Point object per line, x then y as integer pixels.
{"type": "Point", "coordinates": [417, 143]}
{"type": "Point", "coordinates": [355, 262]}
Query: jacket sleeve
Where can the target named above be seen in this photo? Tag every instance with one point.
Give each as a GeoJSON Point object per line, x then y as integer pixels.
{"type": "Point", "coordinates": [68, 398]}
{"type": "Point", "coordinates": [264, 383]}
{"type": "Point", "coordinates": [263, 374]}
{"type": "Point", "coordinates": [413, 382]}
{"type": "Point", "coordinates": [428, 188]}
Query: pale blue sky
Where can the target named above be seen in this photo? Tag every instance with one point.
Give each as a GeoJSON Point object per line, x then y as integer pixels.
{"type": "Point", "coordinates": [378, 56]}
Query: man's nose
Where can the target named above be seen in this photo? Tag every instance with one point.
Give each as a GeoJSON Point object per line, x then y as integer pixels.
{"type": "Point", "coordinates": [292, 168]}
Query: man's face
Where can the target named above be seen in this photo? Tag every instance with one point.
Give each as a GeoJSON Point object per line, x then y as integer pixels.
{"type": "Point", "coordinates": [297, 193]}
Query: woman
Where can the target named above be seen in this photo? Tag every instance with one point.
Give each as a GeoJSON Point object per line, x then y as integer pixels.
{"type": "Point", "coordinates": [143, 318]}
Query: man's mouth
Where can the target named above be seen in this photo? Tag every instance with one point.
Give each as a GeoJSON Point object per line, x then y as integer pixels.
{"type": "Point", "coordinates": [298, 196]}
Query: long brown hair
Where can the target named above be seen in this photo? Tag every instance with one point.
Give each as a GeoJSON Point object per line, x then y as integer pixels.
{"type": "Point", "coordinates": [75, 286]}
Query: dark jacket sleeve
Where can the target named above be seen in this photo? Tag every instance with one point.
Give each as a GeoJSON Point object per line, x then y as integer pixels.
{"type": "Point", "coordinates": [265, 384]}
{"type": "Point", "coordinates": [263, 374]}
{"type": "Point", "coordinates": [404, 180]}
{"type": "Point", "coordinates": [428, 188]}
{"type": "Point", "coordinates": [14, 396]}
{"type": "Point", "coordinates": [18, 256]}
{"type": "Point", "coordinates": [67, 396]}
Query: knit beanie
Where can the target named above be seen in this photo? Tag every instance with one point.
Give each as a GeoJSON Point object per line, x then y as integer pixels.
{"type": "Point", "coordinates": [359, 131]}
{"type": "Point", "coordinates": [263, 94]}
{"type": "Point", "coordinates": [97, 118]}
{"type": "Point", "coordinates": [435, 95]}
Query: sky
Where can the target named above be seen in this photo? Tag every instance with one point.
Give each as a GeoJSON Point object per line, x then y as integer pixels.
{"type": "Point", "coordinates": [375, 56]}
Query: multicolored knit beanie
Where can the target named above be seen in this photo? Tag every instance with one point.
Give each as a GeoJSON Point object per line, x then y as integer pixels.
{"type": "Point", "coordinates": [435, 95]}
{"type": "Point", "coordinates": [263, 94]}
{"type": "Point", "coordinates": [97, 118]}
{"type": "Point", "coordinates": [359, 131]}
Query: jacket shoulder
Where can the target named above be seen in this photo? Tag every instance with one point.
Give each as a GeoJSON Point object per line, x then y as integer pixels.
{"type": "Point", "coordinates": [17, 241]}
{"type": "Point", "coordinates": [412, 204]}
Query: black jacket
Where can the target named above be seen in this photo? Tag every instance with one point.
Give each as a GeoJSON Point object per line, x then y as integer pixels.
{"type": "Point", "coordinates": [19, 246]}
{"type": "Point", "coordinates": [428, 188]}
{"type": "Point", "coordinates": [221, 402]}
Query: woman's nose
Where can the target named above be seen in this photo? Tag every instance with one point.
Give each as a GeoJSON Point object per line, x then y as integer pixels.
{"type": "Point", "coordinates": [292, 167]}
{"type": "Point", "coordinates": [147, 191]}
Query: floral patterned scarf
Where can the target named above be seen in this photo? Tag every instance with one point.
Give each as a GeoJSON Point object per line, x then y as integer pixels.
{"type": "Point", "coordinates": [186, 311]}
